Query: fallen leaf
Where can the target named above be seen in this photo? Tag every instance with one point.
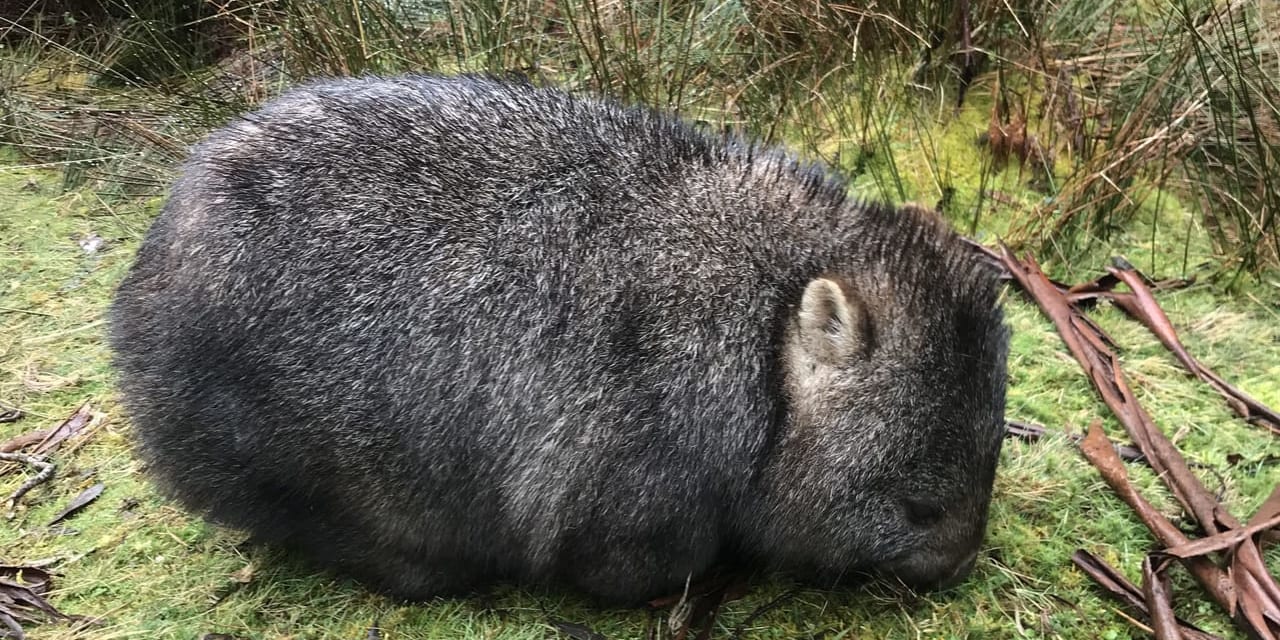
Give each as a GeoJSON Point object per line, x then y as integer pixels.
{"type": "Point", "coordinates": [576, 631]}
{"type": "Point", "coordinates": [81, 501]}
{"type": "Point", "coordinates": [69, 427]}
{"type": "Point", "coordinates": [22, 598]}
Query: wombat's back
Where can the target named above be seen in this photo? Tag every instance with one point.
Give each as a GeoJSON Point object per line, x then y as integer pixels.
{"type": "Point", "coordinates": [437, 330]}
{"type": "Point", "coordinates": [403, 322]}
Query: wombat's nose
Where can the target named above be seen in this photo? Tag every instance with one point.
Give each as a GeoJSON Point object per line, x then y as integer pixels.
{"type": "Point", "coordinates": [962, 571]}
{"type": "Point", "coordinates": [934, 572]}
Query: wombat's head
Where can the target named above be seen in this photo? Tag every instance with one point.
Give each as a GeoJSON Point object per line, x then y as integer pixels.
{"type": "Point", "coordinates": [894, 371]}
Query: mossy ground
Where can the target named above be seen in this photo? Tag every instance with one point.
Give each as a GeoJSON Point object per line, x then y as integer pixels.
{"type": "Point", "coordinates": [149, 570]}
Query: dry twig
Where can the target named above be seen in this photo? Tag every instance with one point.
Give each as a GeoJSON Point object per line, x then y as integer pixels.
{"type": "Point", "coordinates": [45, 471]}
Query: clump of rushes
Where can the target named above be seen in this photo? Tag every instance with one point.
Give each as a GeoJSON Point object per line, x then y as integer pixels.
{"type": "Point", "coordinates": [1105, 104]}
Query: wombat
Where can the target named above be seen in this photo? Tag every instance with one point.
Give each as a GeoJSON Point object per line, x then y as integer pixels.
{"type": "Point", "coordinates": [437, 332]}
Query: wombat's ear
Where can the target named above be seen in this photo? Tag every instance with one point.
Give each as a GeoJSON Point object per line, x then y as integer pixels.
{"type": "Point", "coordinates": [834, 325]}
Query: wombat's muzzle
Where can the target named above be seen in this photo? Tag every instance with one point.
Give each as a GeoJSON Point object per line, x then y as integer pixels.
{"type": "Point", "coordinates": [930, 574]}
{"type": "Point", "coordinates": [961, 572]}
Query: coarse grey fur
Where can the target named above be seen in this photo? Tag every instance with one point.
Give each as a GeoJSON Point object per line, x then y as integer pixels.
{"type": "Point", "coordinates": [436, 332]}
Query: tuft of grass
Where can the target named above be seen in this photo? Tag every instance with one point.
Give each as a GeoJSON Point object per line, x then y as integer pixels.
{"type": "Point", "coordinates": [1179, 96]}
{"type": "Point", "coordinates": [1103, 104]}
{"type": "Point", "coordinates": [1234, 169]}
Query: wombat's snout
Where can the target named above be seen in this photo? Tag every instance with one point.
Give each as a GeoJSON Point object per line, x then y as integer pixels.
{"type": "Point", "coordinates": [960, 572]}
{"type": "Point", "coordinates": [934, 571]}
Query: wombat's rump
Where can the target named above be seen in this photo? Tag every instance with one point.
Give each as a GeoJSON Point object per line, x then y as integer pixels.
{"type": "Point", "coordinates": [435, 332]}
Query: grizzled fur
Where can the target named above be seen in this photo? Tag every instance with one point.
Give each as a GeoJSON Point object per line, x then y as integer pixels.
{"type": "Point", "coordinates": [435, 332]}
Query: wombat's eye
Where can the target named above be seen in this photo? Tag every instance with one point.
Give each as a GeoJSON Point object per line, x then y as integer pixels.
{"type": "Point", "coordinates": [923, 513]}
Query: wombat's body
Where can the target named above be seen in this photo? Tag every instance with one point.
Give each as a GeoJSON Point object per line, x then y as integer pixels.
{"type": "Point", "coordinates": [436, 332]}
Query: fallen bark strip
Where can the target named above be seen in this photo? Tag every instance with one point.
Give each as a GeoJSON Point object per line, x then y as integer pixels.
{"type": "Point", "coordinates": [1155, 587]}
{"type": "Point", "coordinates": [1031, 432]}
{"type": "Point", "coordinates": [22, 441]}
{"type": "Point", "coordinates": [1100, 364]}
{"type": "Point", "coordinates": [1097, 449]}
{"type": "Point", "coordinates": [44, 473]}
{"type": "Point", "coordinates": [1143, 308]}
{"type": "Point", "coordinates": [69, 427]}
{"type": "Point", "coordinates": [1119, 587]}
{"type": "Point", "coordinates": [1145, 311]}
{"type": "Point", "coordinates": [1257, 606]}
{"type": "Point", "coordinates": [1269, 508]}
{"type": "Point", "coordinates": [1248, 593]}
{"type": "Point", "coordinates": [1107, 282]}
{"type": "Point", "coordinates": [1139, 303]}
{"type": "Point", "coordinates": [1223, 541]}
{"type": "Point", "coordinates": [1100, 285]}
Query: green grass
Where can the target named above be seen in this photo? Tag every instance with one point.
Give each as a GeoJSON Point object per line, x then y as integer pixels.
{"type": "Point", "coordinates": [153, 571]}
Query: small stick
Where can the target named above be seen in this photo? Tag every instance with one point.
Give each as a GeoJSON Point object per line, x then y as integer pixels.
{"type": "Point", "coordinates": [45, 473]}
{"type": "Point", "coordinates": [31, 312]}
{"type": "Point", "coordinates": [58, 335]}
{"type": "Point", "coordinates": [1031, 432]}
{"type": "Point", "coordinates": [20, 442]}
